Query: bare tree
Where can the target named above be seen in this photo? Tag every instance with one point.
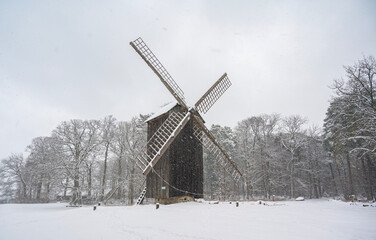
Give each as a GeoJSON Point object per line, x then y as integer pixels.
{"type": "Point", "coordinates": [76, 139]}
{"type": "Point", "coordinates": [244, 139]}
{"type": "Point", "coordinates": [135, 139]}
{"type": "Point", "coordinates": [293, 140]}
{"type": "Point", "coordinates": [359, 93]}
{"type": "Point", "coordinates": [119, 147]}
{"type": "Point", "coordinates": [13, 167]}
{"type": "Point", "coordinates": [107, 127]}
{"type": "Point", "coordinates": [350, 127]}
{"type": "Point", "coordinates": [43, 161]}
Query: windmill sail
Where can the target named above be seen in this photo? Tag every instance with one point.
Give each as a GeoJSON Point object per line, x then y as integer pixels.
{"type": "Point", "coordinates": [208, 141]}
{"type": "Point", "coordinates": [143, 50]}
{"type": "Point", "coordinates": [185, 175]}
{"type": "Point", "coordinates": [213, 94]}
{"type": "Point", "coordinates": [161, 140]}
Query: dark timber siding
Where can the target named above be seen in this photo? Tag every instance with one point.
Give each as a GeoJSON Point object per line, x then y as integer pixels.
{"type": "Point", "coordinates": [186, 163]}
{"type": "Point", "coordinates": [153, 182]}
{"type": "Point", "coordinates": [181, 165]}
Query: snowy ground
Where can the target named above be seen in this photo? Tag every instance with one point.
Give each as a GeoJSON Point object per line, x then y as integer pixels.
{"type": "Point", "coordinates": [313, 219]}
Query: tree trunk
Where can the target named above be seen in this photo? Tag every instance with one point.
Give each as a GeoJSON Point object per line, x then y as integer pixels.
{"type": "Point", "coordinates": [48, 184]}
{"type": "Point", "coordinates": [104, 171]}
{"type": "Point", "coordinates": [65, 188]}
{"type": "Point", "coordinates": [76, 188]}
{"type": "Point", "coordinates": [310, 184]}
{"type": "Point", "coordinates": [76, 181]}
{"type": "Point", "coordinates": [120, 170]}
{"type": "Point", "coordinates": [39, 189]}
{"type": "Point", "coordinates": [224, 186]}
{"type": "Point", "coordinates": [316, 188]}
{"type": "Point", "coordinates": [371, 195]}
{"type": "Point", "coordinates": [264, 181]}
{"type": "Point", "coordinates": [319, 187]}
{"type": "Point", "coordinates": [351, 185]}
{"type": "Point", "coordinates": [131, 187]}
{"type": "Point", "coordinates": [292, 176]}
{"type": "Point", "coordinates": [24, 189]}
{"type": "Point", "coordinates": [333, 180]}
{"type": "Point", "coordinates": [246, 179]}
{"type": "Point", "coordinates": [341, 180]}
{"type": "Point", "coordinates": [89, 182]}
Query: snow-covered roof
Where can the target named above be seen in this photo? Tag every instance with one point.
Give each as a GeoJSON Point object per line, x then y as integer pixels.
{"type": "Point", "coordinates": [162, 111]}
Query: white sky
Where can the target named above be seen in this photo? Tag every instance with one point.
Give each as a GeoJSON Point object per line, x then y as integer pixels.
{"type": "Point", "coordinates": [72, 59]}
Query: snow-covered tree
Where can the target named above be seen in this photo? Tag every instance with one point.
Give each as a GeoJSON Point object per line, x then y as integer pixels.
{"type": "Point", "coordinates": [43, 162]}
{"type": "Point", "coordinates": [13, 169]}
{"type": "Point", "coordinates": [107, 132]}
{"type": "Point", "coordinates": [75, 140]}
{"type": "Point", "coordinates": [293, 139]}
{"type": "Point", "coordinates": [350, 129]}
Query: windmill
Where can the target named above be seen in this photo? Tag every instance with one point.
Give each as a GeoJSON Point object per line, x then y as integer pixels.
{"type": "Point", "coordinates": [172, 159]}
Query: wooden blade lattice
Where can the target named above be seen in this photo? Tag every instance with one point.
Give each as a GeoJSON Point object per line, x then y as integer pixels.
{"type": "Point", "coordinates": [208, 141]}
{"type": "Point", "coordinates": [143, 50]}
{"type": "Point", "coordinates": [161, 140]}
{"type": "Point", "coordinates": [213, 94]}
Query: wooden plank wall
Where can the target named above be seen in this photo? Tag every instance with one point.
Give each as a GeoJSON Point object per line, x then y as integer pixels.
{"type": "Point", "coordinates": [186, 163]}
{"type": "Point", "coordinates": [181, 165]}
{"type": "Point", "coordinates": [153, 182]}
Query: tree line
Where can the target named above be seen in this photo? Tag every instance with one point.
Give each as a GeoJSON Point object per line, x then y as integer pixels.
{"type": "Point", "coordinates": [280, 157]}
{"type": "Point", "coordinates": [82, 160]}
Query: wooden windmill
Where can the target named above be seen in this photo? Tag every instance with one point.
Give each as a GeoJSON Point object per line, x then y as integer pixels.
{"type": "Point", "coordinates": [172, 159]}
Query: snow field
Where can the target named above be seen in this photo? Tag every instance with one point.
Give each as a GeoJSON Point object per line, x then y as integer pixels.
{"type": "Point", "coordinates": [312, 219]}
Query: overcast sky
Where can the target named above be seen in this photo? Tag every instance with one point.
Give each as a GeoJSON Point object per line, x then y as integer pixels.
{"type": "Point", "coordinates": [61, 60]}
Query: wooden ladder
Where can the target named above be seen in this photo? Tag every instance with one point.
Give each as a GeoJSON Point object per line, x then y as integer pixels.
{"type": "Point", "coordinates": [141, 197]}
{"type": "Point", "coordinates": [160, 141]}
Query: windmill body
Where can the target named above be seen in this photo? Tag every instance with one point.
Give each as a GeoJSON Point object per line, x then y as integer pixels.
{"type": "Point", "coordinates": [180, 169]}
{"type": "Point", "coordinates": [172, 159]}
